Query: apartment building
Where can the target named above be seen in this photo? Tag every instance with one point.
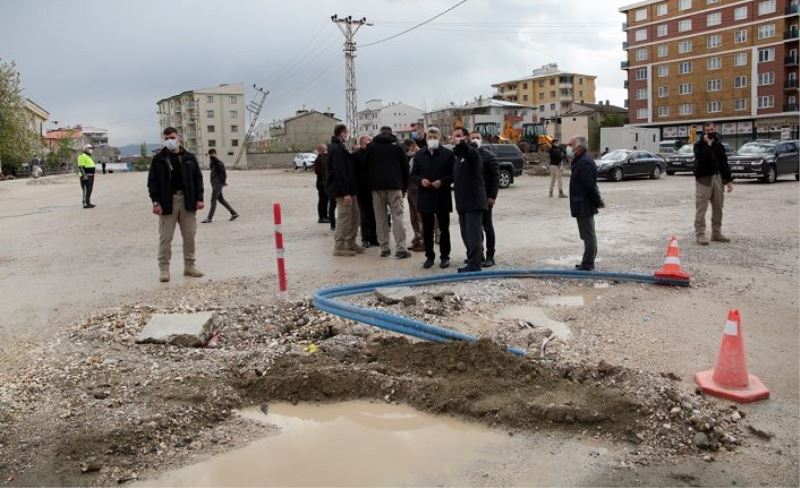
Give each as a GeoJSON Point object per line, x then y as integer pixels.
{"type": "Point", "coordinates": [549, 90]}
{"type": "Point", "coordinates": [397, 115]}
{"type": "Point", "coordinates": [206, 118]}
{"type": "Point", "coordinates": [734, 62]}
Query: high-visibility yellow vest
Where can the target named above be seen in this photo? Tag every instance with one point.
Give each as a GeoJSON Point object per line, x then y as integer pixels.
{"type": "Point", "coordinates": [85, 161]}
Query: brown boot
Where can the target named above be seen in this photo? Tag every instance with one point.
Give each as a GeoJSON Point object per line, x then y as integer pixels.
{"type": "Point", "coordinates": [190, 270]}
{"type": "Point", "coordinates": [702, 241]}
{"type": "Point", "coordinates": [343, 252]}
{"type": "Point", "coordinates": [719, 238]}
{"type": "Point", "coordinates": [356, 248]}
{"type": "Point", "coordinates": [163, 276]}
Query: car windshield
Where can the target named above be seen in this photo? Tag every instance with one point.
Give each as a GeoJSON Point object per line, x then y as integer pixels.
{"type": "Point", "coordinates": [617, 155]}
{"type": "Point", "coordinates": [686, 149]}
{"type": "Point", "coordinates": [756, 149]}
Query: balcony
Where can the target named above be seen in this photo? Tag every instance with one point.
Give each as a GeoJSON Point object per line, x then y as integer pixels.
{"type": "Point", "coordinates": [624, 26]}
{"type": "Point", "coordinates": [567, 85]}
{"type": "Point", "coordinates": [790, 84]}
{"type": "Point", "coordinates": [791, 34]}
{"type": "Point", "coordinates": [791, 9]}
{"type": "Point", "coordinates": [790, 60]}
{"type": "Point", "coordinates": [790, 107]}
{"type": "Point", "coordinates": [509, 93]}
{"type": "Point", "coordinates": [626, 103]}
{"type": "Point", "coordinates": [624, 45]}
{"type": "Point", "coordinates": [626, 84]}
{"type": "Point", "coordinates": [623, 65]}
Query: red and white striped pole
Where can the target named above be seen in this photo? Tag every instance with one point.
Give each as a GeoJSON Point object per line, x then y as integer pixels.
{"type": "Point", "coordinates": [276, 212]}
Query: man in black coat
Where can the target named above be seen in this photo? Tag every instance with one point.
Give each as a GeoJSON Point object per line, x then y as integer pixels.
{"type": "Point", "coordinates": [343, 186]}
{"type": "Point", "coordinates": [433, 172]}
{"type": "Point", "coordinates": [369, 236]}
{"type": "Point", "coordinates": [326, 208]}
{"type": "Point", "coordinates": [491, 177]}
{"type": "Point", "coordinates": [470, 194]}
{"type": "Point", "coordinates": [219, 179]}
{"type": "Point", "coordinates": [387, 167]}
{"type": "Point", "coordinates": [712, 173]}
{"type": "Point", "coordinates": [584, 198]}
{"type": "Point", "coordinates": [175, 185]}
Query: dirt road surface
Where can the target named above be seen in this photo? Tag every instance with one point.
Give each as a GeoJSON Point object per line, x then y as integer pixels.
{"type": "Point", "coordinates": [60, 263]}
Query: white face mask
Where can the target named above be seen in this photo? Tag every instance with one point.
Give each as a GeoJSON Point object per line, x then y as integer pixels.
{"type": "Point", "coordinates": [570, 151]}
{"type": "Point", "coordinates": [433, 144]}
{"type": "Point", "coordinates": [171, 144]}
{"type": "Point", "coordinates": [89, 150]}
{"type": "Point", "coordinates": [476, 142]}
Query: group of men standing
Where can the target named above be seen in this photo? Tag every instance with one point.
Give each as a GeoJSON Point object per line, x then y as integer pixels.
{"type": "Point", "coordinates": [369, 186]}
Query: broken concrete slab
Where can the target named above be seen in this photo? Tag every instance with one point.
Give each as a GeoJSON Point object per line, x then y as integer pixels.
{"type": "Point", "coordinates": [400, 294]}
{"type": "Point", "coordinates": [183, 329]}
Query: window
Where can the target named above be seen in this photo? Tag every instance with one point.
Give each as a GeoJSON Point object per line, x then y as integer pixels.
{"type": "Point", "coordinates": [740, 59]}
{"type": "Point", "coordinates": [580, 81]}
{"type": "Point", "coordinates": [232, 99]}
{"type": "Point", "coordinates": [715, 106]}
{"type": "Point", "coordinates": [641, 113]}
{"type": "Point", "coordinates": [661, 9]}
{"type": "Point", "coordinates": [541, 83]}
{"type": "Point", "coordinates": [714, 19]}
{"type": "Point", "coordinates": [767, 78]}
{"type": "Point", "coordinates": [234, 128]}
{"type": "Point", "coordinates": [210, 128]}
{"type": "Point", "coordinates": [210, 114]}
{"type": "Point", "coordinates": [525, 98]}
{"type": "Point", "coordinates": [709, 2]}
{"type": "Point", "coordinates": [740, 104]}
{"type": "Point", "coordinates": [740, 13]}
{"type": "Point", "coordinates": [685, 46]}
{"type": "Point", "coordinates": [663, 91]}
{"type": "Point", "coordinates": [766, 101]}
{"type": "Point", "coordinates": [641, 35]}
{"type": "Point", "coordinates": [714, 85]}
{"type": "Point", "coordinates": [641, 14]}
{"type": "Point", "coordinates": [234, 114]}
{"type": "Point", "coordinates": [685, 109]}
{"type": "Point", "coordinates": [541, 95]}
{"type": "Point", "coordinates": [212, 143]}
{"type": "Point", "coordinates": [685, 89]}
{"type": "Point", "coordinates": [662, 30]}
{"type": "Point", "coordinates": [766, 7]}
{"type": "Point", "coordinates": [641, 74]}
{"type": "Point", "coordinates": [641, 54]}
{"type": "Point", "coordinates": [541, 108]}
{"type": "Point", "coordinates": [234, 142]}
{"type": "Point", "coordinates": [641, 94]}
{"type": "Point", "coordinates": [740, 36]}
{"type": "Point", "coordinates": [663, 51]}
{"type": "Point", "coordinates": [684, 4]}
{"type": "Point", "coordinates": [714, 41]}
{"type": "Point", "coordinates": [766, 31]}
{"type": "Point", "coordinates": [685, 25]}
{"type": "Point", "coordinates": [663, 71]}
{"type": "Point", "coordinates": [663, 111]}
{"type": "Point", "coordinates": [766, 55]}
{"type": "Point", "coordinates": [552, 81]}
{"type": "Point", "coordinates": [552, 106]}
{"type": "Point", "coordinates": [713, 63]}
{"type": "Point", "coordinates": [552, 94]}
{"type": "Point", "coordinates": [739, 81]}
{"type": "Point", "coordinates": [209, 98]}
{"type": "Point", "coordinates": [686, 67]}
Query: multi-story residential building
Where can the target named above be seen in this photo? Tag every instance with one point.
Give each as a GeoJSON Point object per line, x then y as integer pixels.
{"type": "Point", "coordinates": [734, 62]}
{"type": "Point", "coordinates": [206, 118]}
{"type": "Point", "coordinates": [303, 131]}
{"type": "Point", "coordinates": [397, 115]}
{"type": "Point", "coordinates": [551, 91]}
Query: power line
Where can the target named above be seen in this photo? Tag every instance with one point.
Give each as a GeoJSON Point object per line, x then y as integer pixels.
{"type": "Point", "coordinates": [415, 26]}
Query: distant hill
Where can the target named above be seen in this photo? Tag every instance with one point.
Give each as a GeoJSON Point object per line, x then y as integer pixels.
{"type": "Point", "coordinates": [133, 149]}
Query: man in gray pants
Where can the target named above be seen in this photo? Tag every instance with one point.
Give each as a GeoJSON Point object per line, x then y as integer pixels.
{"type": "Point", "coordinates": [712, 174]}
{"type": "Point", "coordinates": [584, 198]}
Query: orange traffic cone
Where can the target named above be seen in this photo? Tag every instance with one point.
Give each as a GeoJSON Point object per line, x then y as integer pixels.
{"type": "Point", "coordinates": [729, 378]}
{"type": "Point", "coordinates": [672, 272]}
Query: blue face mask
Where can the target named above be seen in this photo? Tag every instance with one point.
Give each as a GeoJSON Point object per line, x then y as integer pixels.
{"type": "Point", "coordinates": [570, 151]}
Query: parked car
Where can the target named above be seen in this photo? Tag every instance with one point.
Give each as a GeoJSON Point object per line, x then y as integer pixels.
{"type": "Point", "coordinates": [304, 161]}
{"type": "Point", "coordinates": [623, 163]}
{"type": "Point", "coordinates": [668, 147]}
{"type": "Point", "coordinates": [683, 160]}
{"type": "Point", "coordinates": [766, 161]}
{"type": "Point", "coordinates": [510, 161]}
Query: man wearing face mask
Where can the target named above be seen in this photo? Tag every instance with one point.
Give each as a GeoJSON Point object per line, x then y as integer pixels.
{"type": "Point", "coordinates": [433, 172]}
{"type": "Point", "coordinates": [491, 178]}
{"type": "Point", "coordinates": [343, 186]}
{"type": "Point", "coordinates": [411, 149]}
{"type": "Point", "coordinates": [470, 196]}
{"type": "Point", "coordinates": [556, 157]}
{"type": "Point", "coordinates": [175, 184]}
{"type": "Point", "coordinates": [86, 170]}
{"type": "Point", "coordinates": [712, 174]}
{"type": "Point", "coordinates": [418, 135]}
{"type": "Point", "coordinates": [369, 233]}
{"type": "Point", "coordinates": [584, 198]}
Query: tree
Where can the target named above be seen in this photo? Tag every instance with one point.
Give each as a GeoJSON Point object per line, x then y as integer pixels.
{"type": "Point", "coordinates": [143, 163]}
{"type": "Point", "coordinates": [17, 142]}
{"type": "Point", "coordinates": [613, 120]}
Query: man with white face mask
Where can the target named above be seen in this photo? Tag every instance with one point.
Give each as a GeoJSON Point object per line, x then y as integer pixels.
{"type": "Point", "coordinates": [86, 169]}
{"type": "Point", "coordinates": [175, 184]}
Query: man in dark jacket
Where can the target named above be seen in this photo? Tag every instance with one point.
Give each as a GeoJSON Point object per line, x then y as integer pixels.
{"type": "Point", "coordinates": [556, 158]}
{"type": "Point", "coordinates": [219, 179]}
{"type": "Point", "coordinates": [387, 167]}
{"type": "Point", "coordinates": [175, 185]}
{"type": "Point", "coordinates": [369, 234]}
{"type": "Point", "coordinates": [584, 198]}
{"type": "Point", "coordinates": [343, 186]}
{"type": "Point", "coordinates": [491, 178]}
{"type": "Point", "coordinates": [470, 194]}
{"type": "Point", "coordinates": [411, 149]}
{"type": "Point", "coordinates": [326, 206]}
{"type": "Point", "coordinates": [712, 173]}
{"type": "Point", "coordinates": [433, 172]}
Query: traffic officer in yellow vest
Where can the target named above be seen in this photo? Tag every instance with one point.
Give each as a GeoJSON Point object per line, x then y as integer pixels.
{"type": "Point", "coordinates": [86, 170]}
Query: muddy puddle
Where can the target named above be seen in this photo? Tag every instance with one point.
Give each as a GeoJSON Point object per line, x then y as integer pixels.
{"type": "Point", "coordinates": [369, 444]}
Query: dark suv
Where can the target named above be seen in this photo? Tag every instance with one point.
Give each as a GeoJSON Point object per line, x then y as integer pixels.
{"type": "Point", "coordinates": [682, 161]}
{"type": "Point", "coordinates": [766, 161]}
{"type": "Point", "coordinates": [509, 160]}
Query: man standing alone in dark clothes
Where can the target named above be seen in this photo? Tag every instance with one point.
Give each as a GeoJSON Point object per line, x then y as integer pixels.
{"type": "Point", "coordinates": [584, 198]}
{"type": "Point", "coordinates": [219, 179]}
{"type": "Point", "coordinates": [342, 185]}
{"type": "Point", "coordinates": [712, 173]}
{"type": "Point", "coordinates": [556, 158]}
{"type": "Point", "coordinates": [325, 206]}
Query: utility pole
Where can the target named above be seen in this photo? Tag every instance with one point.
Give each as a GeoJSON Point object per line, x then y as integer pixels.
{"type": "Point", "coordinates": [349, 27]}
{"type": "Point", "coordinates": [255, 110]}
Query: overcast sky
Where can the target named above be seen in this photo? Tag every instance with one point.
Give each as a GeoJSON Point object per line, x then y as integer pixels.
{"type": "Point", "coordinates": [105, 63]}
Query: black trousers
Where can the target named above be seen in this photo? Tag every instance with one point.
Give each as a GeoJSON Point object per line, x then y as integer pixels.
{"type": "Point", "coordinates": [86, 186]}
{"type": "Point", "coordinates": [428, 222]}
{"type": "Point", "coordinates": [216, 194]}
{"type": "Point", "coordinates": [322, 202]}
{"type": "Point", "coordinates": [332, 211]}
{"type": "Point", "coordinates": [488, 229]}
{"type": "Point", "coordinates": [589, 238]}
{"type": "Point", "coordinates": [471, 224]}
{"type": "Point", "coordinates": [369, 232]}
